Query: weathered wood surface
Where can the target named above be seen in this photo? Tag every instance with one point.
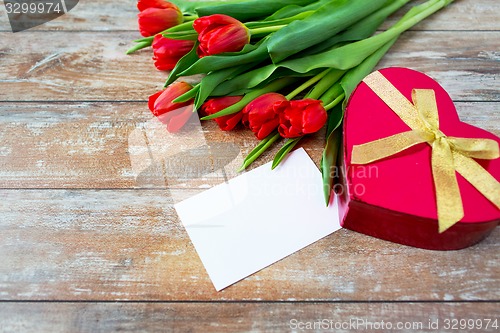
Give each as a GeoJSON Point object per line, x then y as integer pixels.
{"type": "Point", "coordinates": [83, 66]}
{"type": "Point", "coordinates": [76, 224]}
{"type": "Point", "coordinates": [104, 15]}
{"type": "Point", "coordinates": [125, 244]}
{"type": "Point", "coordinates": [239, 317]}
{"type": "Point", "coordinates": [90, 145]}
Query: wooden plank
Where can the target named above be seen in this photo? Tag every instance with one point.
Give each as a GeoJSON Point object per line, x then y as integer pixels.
{"type": "Point", "coordinates": [460, 15]}
{"type": "Point", "coordinates": [95, 15]}
{"type": "Point", "coordinates": [98, 15]}
{"type": "Point", "coordinates": [130, 245]}
{"type": "Point", "coordinates": [82, 66]}
{"type": "Point", "coordinates": [93, 145]}
{"type": "Point", "coordinates": [244, 317]}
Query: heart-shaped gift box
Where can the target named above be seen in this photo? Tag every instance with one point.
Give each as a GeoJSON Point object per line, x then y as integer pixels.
{"type": "Point", "coordinates": [390, 189]}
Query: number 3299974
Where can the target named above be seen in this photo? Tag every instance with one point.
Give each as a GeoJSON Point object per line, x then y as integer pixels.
{"type": "Point", "coordinates": [33, 7]}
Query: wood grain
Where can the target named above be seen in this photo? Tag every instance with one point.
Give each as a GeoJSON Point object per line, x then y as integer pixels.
{"type": "Point", "coordinates": [92, 145]}
{"type": "Point", "coordinates": [127, 244]}
{"type": "Point", "coordinates": [238, 317]}
{"type": "Point", "coordinates": [92, 66]}
{"type": "Point", "coordinates": [107, 15]}
{"type": "Point", "coordinates": [88, 243]}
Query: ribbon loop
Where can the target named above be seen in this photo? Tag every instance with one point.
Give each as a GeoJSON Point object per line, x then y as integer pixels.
{"type": "Point", "coordinates": [449, 154]}
{"type": "Point", "coordinates": [449, 202]}
{"type": "Point", "coordinates": [425, 102]}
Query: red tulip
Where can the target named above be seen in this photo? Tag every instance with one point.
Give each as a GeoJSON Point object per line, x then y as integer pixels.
{"type": "Point", "coordinates": [167, 52]}
{"type": "Point", "coordinates": [300, 117]}
{"type": "Point", "coordinates": [226, 123]}
{"type": "Point", "coordinates": [259, 114]}
{"type": "Point", "coordinates": [220, 33]}
{"type": "Point", "coordinates": [174, 115]}
{"type": "Point", "coordinates": [156, 16]}
{"type": "Point", "coordinates": [145, 4]}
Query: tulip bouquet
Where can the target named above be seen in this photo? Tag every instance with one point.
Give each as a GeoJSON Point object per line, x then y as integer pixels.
{"type": "Point", "coordinates": [258, 56]}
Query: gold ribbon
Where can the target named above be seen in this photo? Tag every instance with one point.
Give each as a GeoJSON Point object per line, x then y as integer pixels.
{"type": "Point", "coordinates": [449, 154]}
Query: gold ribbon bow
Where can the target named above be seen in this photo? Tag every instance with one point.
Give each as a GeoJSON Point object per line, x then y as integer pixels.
{"type": "Point", "coordinates": [449, 154]}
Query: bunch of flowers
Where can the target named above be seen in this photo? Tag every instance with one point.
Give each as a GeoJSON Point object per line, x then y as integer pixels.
{"type": "Point", "coordinates": [257, 56]}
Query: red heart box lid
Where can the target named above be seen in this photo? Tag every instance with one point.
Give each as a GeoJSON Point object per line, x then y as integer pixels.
{"type": "Point", "coordinates": [404, 182]}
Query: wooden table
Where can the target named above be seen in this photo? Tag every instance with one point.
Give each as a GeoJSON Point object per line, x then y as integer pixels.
{"type": "Point", "coordinates": [84, 247]}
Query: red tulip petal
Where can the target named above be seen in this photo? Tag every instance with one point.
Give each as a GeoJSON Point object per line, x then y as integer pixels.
{"type": "Point", "coordinates": [300, 117]}
{"type": "Point", "coordinates": [280, 106]}
{"type": "Point", "coordinates": [212, 21]}
{"type": "Point", "coordinates": [266, 129]}
{"type": "Point", "coordinates": [154, 20]}
{"type": "Point", "coordinates": [145, 4]}
{"type": "Point", "coordinates": [229, 38]}
{"type": "Point", "coordinates": [220, 33]}
{"type": "Point", "coordinates": [227, 123]}
{"type": "Point", "coordinates": [161, 102]}
{"type": "Point", "coordinates": [215, 105]}
{"type": "Point", "coordinates": [167, 52]}
{"type": "Point", "coordinates": [314, 120]}
{"type": "Point", "coordinates": [259, 115]}
{"type": "Point", "coordinates": [179, 119]}
{"type": "Point", "coordinates": [152, 100]}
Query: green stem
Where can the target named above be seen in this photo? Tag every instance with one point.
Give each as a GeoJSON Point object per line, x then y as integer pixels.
{"type": "Point", "coordinates": [413, 17]}
{"type": "Point", "coordinates": [181, 35]}
{"type": "Point", "coordinates": [184, 27]}
{"type": "Point", "coordinates": [334, 103]}
{"type": "Point", "coordinates": [145, 39]}
{"type": "Point", "coordinates": [307, 84]}
{"type": "Point", "coordinates": [271, 87]}
{"type": "Point", "coordinates": [188, 18]}
{"type": "Point", "coordinates": [329, 163]}
{"type": "Point", "coordinates": [283, 152]}
{"type": "Point", "coordinates": [332, 93]}
{"type": "Point", "coordinates": [180, 31]}
{"type": "Point", "coordinates": [138, 46]}
{"type": "Point", "coordinates": [259, 149]}
{"type": "Point", "coordinates": [188, 95]}
{"type": "Point", "coordinates": [259, 32]}
{"type": "Point", "coordinates": [326, 83]}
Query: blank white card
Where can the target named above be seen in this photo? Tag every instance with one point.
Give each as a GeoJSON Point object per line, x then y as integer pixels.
{"type": "Point", "coordinates": [258, 218]}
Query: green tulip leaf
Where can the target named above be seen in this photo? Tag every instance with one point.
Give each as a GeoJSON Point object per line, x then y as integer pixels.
{"type": "Point", "coordinates": [284, 151]}
{"type": "Point", "coordinates": [349, 82]}
{"type": "Point", "coordinates": [246, 80]}
{"type": "Point", "coordinates": [237, 107]}
{"type": "Point", "coordinates": [210, 82]}
{"type": "Point", "coordinates": [183, 27]}
{"type": "Point", "coordinates": [182, 35]}
{"type": "Point", "coordinates": [250, 54]}
{"type": "Point", "coordinates": [351, 55]}
{"type": "Point", "coordinates": [358, 31]}
{"type": "Point", "coordinates": [287, 11]}
{"type": "Point", "coordinates": [354, 76]}
{"type": "Point", "coordinates": [325, 84]}
{"type": "Point", "coordinates": [189, 7]}
{"type": "Point", "coordinates": [292, 10]}
{"type": "Point", "coordinates": [185, 62]}
{"type": "Point", "coordinates": [257, 77]}
{"type": "Point", "coordinates": [187, 95]}
{"type": "Point", "coordinates": [279, 22]}
{"type": "Point", "coordinates": [327, 21]}
{"type": "Point", "coordinates": [329, 161]}
{"type": "Point", "coordinates": [139, 45]}
{"type": "Point", "coordinates": [250, 9]}
{"type": "Point", "coordinates": [259, 150]}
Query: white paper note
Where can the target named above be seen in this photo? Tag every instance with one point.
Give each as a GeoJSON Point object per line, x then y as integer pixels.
{"type": "Point", "coordinates": [258, 218]}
